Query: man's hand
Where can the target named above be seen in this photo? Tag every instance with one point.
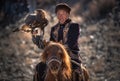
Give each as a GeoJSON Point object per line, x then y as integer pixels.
{"type": "Point", "coordinates": [37, 32]}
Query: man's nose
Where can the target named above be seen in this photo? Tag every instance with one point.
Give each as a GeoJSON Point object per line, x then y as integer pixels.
{"type": "Point", "coordinates": [60, 15]}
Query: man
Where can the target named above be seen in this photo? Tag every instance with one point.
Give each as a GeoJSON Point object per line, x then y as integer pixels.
{"type": "Point", "coordinates": [67, 33]}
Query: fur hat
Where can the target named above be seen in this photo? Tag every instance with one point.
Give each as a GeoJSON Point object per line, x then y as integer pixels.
{"type": "Point", "coordinates": [62, 6]}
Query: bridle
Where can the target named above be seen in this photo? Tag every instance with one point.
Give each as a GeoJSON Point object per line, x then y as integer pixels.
{"type": "Point", "coordinates": [55, 59]}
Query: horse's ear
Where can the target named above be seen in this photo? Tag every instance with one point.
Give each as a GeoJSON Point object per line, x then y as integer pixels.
{"type": "Point", "coordinates": [44, 56]}
{"type": "Point", "coordinates": [50, 42]}
{"type": "Point", "coordinates": [45, 52]}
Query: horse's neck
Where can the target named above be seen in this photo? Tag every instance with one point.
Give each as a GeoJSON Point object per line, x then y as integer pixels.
{"type": "Point", "coordinates": [51, 77]}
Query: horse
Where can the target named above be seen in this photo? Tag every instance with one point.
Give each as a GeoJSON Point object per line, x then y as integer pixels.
{"type": "Point", "coordinates": [59, 66]}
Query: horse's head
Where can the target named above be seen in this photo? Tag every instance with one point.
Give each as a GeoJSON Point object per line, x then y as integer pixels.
{"type": "Point", "coordinates": [57, 59]}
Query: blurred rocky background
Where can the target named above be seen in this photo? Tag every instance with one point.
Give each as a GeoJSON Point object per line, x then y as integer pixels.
{"type": "Point", "coordinates": [99, 39]}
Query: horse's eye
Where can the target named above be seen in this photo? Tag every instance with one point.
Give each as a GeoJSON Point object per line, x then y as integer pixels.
{"type": "Point", "coordinates": [46, 52]}
{"type": "Point", "coordinates": [60, 53]}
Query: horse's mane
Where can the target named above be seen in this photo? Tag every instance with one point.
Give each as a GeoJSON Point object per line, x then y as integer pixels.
{"type": "Point", "coordinates": [66, 64]}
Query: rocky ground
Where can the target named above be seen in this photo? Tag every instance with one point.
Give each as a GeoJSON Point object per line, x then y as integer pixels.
{"type": "Point", "coordinates": [99, 44]}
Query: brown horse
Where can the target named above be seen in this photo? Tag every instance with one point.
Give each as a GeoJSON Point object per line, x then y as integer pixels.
{"type": "Point", "coordinates": [59, 65]}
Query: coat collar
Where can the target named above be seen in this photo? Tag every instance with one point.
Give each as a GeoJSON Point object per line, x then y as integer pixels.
{"type": "Point", "coordinates": [67, 21]}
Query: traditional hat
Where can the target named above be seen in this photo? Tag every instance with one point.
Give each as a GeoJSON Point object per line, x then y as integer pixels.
{"type": "Point", "coordinates": [62, 6]}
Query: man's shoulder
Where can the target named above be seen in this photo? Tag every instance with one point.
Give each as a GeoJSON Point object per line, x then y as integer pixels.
{"type": "Point", "coordinates": [74, 26]}
{"type": "Point", "coordinates": [74, 23]}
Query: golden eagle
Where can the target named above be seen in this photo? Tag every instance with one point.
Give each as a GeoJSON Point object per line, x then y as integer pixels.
{"type": "Point", "coordinates": [32, 21]}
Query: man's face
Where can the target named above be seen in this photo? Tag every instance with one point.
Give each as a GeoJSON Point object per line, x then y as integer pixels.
{"type": "Point", "coordinates": [62, 16]}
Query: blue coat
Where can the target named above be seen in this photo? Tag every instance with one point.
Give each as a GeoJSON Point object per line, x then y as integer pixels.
{"type": "Point", "coordinates": [72, 37]}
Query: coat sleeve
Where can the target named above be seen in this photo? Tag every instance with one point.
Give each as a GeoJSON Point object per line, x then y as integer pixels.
{"type": "Point", "coordinates": [37, 40]}
{"type": "Point", "coordinates": [52, 38]}
{"type": "Point", "coordinates": [73, 36]}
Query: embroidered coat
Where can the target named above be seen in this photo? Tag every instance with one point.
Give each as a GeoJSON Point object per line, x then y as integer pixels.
{"type": "Point", "coordinates": [70, 35]}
